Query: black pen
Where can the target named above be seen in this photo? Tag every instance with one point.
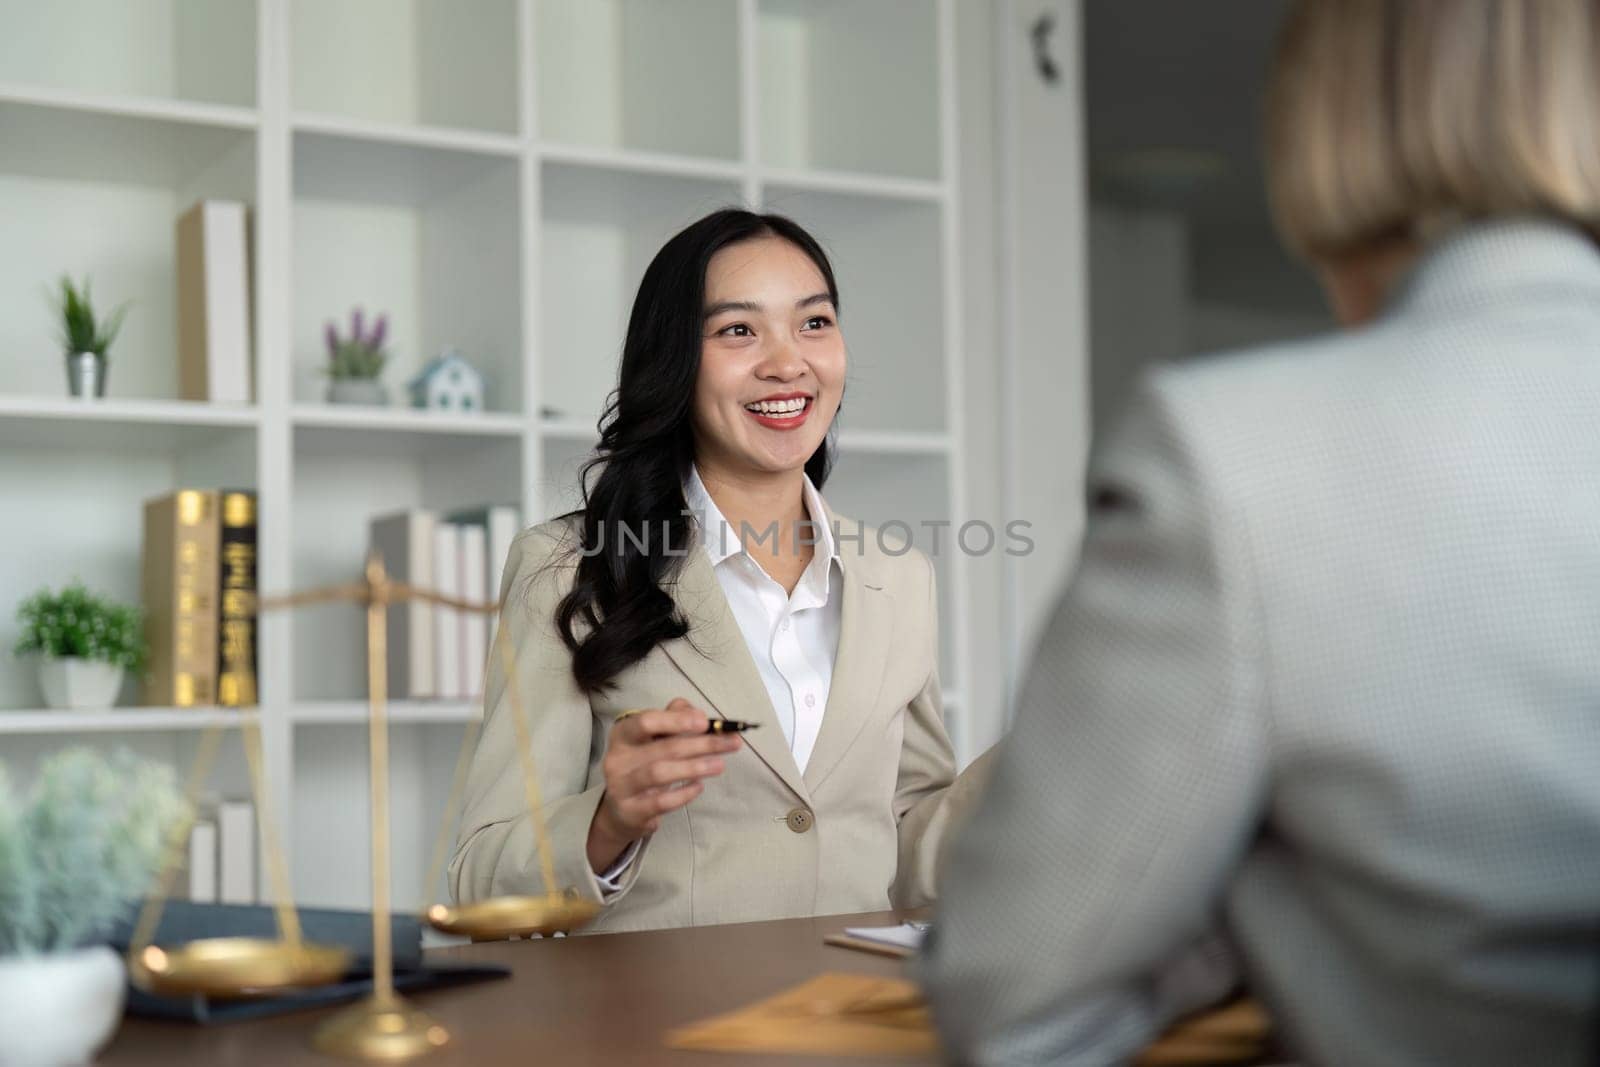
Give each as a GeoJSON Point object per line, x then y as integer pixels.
{"type": "Point", "coordinates": [715, 726]}
{"type": "Point", "coordinates": [729, 726]}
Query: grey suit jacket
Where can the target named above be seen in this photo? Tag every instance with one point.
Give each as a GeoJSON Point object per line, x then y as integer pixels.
{"type": "Point", "coordinates": [859, 830]}
{"type": "Point", "coordinates": [1330, 670]}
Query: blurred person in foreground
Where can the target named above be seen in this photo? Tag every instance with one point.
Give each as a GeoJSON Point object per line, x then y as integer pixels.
{"type": "Point", "coordinates": [1321, 707]}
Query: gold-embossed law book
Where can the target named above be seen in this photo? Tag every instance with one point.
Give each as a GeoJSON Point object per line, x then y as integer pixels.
{"type": "Point", "coordinates": [236, 621]}
{"type": "Point", "coordinates": [180, 579]}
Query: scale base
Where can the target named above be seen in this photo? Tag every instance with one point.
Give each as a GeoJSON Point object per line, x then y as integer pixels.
{"type": "Point", "coordinates": [380, 1031]}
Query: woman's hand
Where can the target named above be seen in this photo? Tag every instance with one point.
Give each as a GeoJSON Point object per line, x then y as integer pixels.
{"type": "Point", "coordinates": [654, 764]}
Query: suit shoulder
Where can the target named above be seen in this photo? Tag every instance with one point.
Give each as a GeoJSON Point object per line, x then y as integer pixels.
{"type": "Point", "coordinates": [553, 542]}
{"type": "Point", "coordinates": [1261, 369]}
{"type": "Point", "coordinates": [543, 561]}
{"type": "Point", "coordinates": [890, 555]}
{"type": "Point", "coordinates": [1293, 379]}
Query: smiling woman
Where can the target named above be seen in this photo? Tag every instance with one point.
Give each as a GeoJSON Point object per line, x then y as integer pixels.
{"type": "Point", "coordinates": [705, 578]}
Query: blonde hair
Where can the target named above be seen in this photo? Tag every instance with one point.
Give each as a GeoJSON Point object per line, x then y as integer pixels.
{"type": "Point", "coordinates": [1393, 118]}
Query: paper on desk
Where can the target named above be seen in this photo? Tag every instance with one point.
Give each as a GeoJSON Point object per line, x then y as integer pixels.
{"type": "Point", "coordinates": [831, 1015]}
{"type": "Point", "coordinates": [907, 935]}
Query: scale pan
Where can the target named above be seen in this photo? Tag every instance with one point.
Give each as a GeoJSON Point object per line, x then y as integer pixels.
{"type": "Point", "coordinates": [503, 917]}
{"type": "Point", "coordinates": [236, 967]}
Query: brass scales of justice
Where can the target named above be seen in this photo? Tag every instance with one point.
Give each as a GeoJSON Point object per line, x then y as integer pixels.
{"type": "Point", "coordinates": [383, 1027]}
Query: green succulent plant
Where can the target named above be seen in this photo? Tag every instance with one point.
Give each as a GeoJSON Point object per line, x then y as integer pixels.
{"type": "Point", "coordinates": [82, 847]}
{"type": "Point", "coordinates": [76, 622]}
{"type": "Point", "coordinates": [81, 330]}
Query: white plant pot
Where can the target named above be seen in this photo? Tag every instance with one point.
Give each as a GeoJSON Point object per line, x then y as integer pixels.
{"type": "Point", "coordinates": [59, 1010]}
{"type": "Point", "coordinates": [358, 391]}
{"type": "Point", "coordinates": [79, 683]}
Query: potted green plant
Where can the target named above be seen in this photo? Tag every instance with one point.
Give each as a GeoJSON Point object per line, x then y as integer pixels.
{"type": "Point", "coordinates": [356, 362]}
{"type": "Point", "coordinates": [86, 339]}
{"type": "Point", "coordinates": [83, 643]}
{"type": "Point", "coordinates": [76, 854]}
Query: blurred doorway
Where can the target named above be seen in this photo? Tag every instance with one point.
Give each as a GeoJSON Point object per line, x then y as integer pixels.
{"type": "Point", "coordinates": [1183, 260]}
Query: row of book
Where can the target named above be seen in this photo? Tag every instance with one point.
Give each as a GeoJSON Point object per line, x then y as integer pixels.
{"type": "Point", "coordinates": [198, 590]}
{"type": "Point", "coordinates": [437, 651]}
{"type": "Point", "coordinates": [199, 586]}
{"type": "Point", "coordinates": [221, 867]}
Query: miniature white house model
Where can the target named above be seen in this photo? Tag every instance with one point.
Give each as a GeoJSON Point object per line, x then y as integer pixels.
{"type": "Point", "coordinates": [448, 383]}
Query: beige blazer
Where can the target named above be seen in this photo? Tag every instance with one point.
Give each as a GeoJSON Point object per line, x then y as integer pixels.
{"type": "Point", "coordinates": [858, 831]}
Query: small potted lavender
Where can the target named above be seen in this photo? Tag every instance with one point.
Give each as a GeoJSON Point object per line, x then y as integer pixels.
{"type": "Point", "coordinates": [356, 362]}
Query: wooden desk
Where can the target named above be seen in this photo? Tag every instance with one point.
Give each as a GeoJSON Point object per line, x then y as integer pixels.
{"type": "Point", "coordinates": [597, 1000]}
{"type": "Point", "coordinates": [578, 1001]}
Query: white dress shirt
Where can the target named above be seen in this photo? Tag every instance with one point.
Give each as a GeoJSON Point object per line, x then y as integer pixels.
{"type": "Point", "coordinates": [793, 637]}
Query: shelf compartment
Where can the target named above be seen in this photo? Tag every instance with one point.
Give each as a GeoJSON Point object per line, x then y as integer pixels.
{"type": "Point", "coordinates": [125, 426]}
{"type": "Point", "coordinates": [407, 62]}
{"type": "Point", "coordinates": [164, 148]}
{"type": "Point", "coordinates": [332, 163]}
{"type": "Point", "coordinates": [558, 482]}
{"type": "Point", "coordinates": [864, 185]}
{"type": "Point", "coordinates": [99, 195]}
{"type": "Point", "coordinates": [613, 73]}
{"type": "Point", "coordinates": [175, 746]}
{"type": "Point", "coordinates": [134, 107]}
{"type": "Point", "coordinates": [428, 235]}
{"type": "Point", "coordinates": [121, 720]}
{"type": "Point", "coordinates": [402, 134]}
{"type": "Point", "coordinates": [331, 826]}
{"type": "Point", "coordinates": [344, 430]}
{"type": "Point", "coordinates": [887, 257]}
{"type": "Point", "coordinates": [636, 162]}
{"type": "Point", "coordinates": [78, 507]}
{"type": "Point", "coordinates": [890, 443]}
{"type": "Point", "coordinates": [850, 85]}
{"type": "Point", "coordinates": [601, 228]}
{"type": "Point", "coordinates": [399, 712]}
{"type": "Point", "coordinates": [344, 478]}
{"type": "Point", "coordinates": [186, 51]}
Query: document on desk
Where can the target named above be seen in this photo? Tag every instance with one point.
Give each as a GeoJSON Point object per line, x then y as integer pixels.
{"type": "Point", "coordinates": [900, 941]}
{"type": "Point", "coordinates": [831, 1015]}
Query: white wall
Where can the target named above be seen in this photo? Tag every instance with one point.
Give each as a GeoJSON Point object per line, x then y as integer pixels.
{"type": "Point", "coordinates": [985, 691]}
{"type": "Point", "coordinates": [1160, 291]}
{"type": "Point", "coordinates": [1138, 299]}
{"type": "Point", "coordinates": [1215, 327]}
{"type": "Point", "coordinates": [1043, 319]}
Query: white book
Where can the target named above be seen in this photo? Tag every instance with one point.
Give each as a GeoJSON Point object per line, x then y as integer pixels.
{"type": "Point", "coordinates": [236, 852]}
{"type": "Point", "coordinates": [503, 523]}
{"type": "Point", "coordinates": [203, 862]}
{"type": "Point", "coordinates": [406, 542]}
{"type": "Point", "coordinates": [447, 620]}
{"type": "Point", "coordinates": [474, 625]}
{"type": "Point", "coordinates": [214, 302]}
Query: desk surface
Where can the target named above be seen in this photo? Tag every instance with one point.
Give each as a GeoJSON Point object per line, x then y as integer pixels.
{"type": "Point", "coordinates": [583, 1001]}
{"type": "Point", "coordinates": [606, 999]}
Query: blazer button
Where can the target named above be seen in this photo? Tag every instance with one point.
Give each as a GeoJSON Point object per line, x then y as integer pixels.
{"type": "Point", "coordinates": [799, 820]}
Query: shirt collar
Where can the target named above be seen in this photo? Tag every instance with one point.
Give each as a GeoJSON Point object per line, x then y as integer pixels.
{"type": "Point", "coordinates": [721, 540]}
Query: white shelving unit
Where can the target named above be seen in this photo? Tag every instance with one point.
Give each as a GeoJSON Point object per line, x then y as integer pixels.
{"type": "Point", "coordinates": [495, 177]}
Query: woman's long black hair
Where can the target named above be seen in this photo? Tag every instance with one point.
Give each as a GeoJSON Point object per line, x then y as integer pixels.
{"type": "Point", "coordinates": [619, 596]}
